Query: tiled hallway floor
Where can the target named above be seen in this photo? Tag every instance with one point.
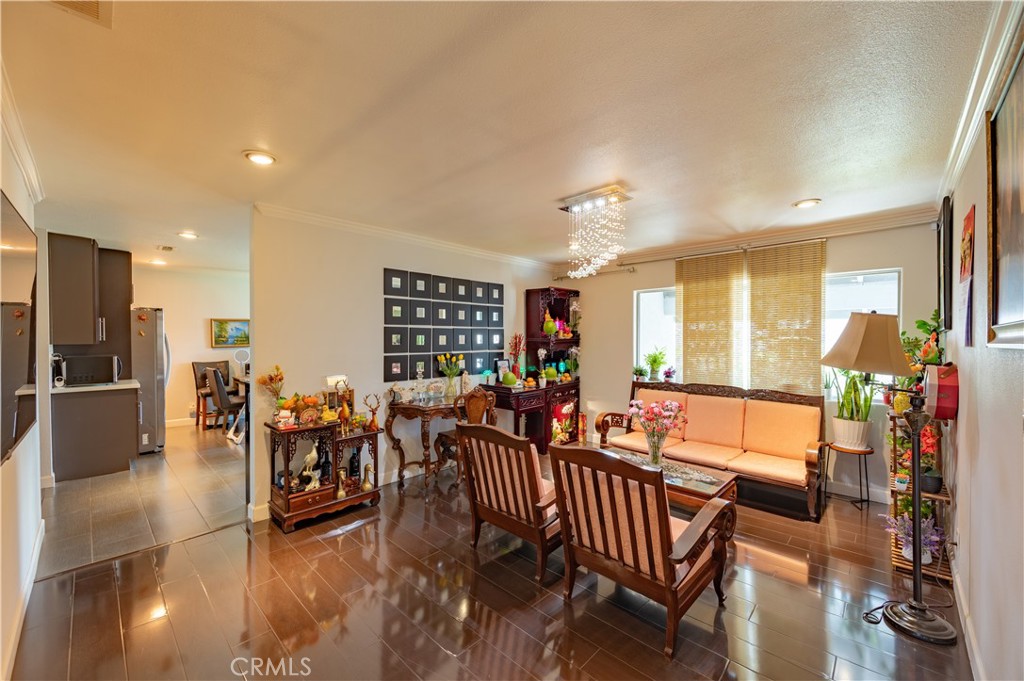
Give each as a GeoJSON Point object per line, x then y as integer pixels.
{"type": "Point", "coordinates": [196, 484]}
{"type": "Point", "coordinates": [397, 592]}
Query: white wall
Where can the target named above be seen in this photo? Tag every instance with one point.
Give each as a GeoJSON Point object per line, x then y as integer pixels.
{"type": "Point", "coordinates": [190, 299]}
{"type": "Point", "coordinates": [606, 349]}
{"type": "Point", "coordinates": [21, 523]}
{"type": "Point", "coordinates": [318, 310]}
{"type": "Point", "coordinates": [989, 561]}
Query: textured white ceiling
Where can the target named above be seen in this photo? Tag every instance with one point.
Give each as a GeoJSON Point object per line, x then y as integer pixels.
{"type": "Point", "coordinates": [468, 121]}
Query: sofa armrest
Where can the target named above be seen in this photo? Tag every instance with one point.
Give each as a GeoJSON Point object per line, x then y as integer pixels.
{"type": "Point", "coordinates": [607, 420]}
{"type": "Point", "coordinates": [716, 514]}
{"type": "Point", "coordinates": [813, 455]}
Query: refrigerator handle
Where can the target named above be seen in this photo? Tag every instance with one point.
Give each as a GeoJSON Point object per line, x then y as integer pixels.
{"type": "Point", "coordinates": [167, 360]}
{"type": "Point", "coordinates": [140, 410]}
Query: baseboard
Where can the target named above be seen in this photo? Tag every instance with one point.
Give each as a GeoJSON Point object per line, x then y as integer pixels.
{"type": "Point", "coordinates": [177, 423]}
{"type": "Point", "coordinates": [47, 481]}
{"type": "Point", "coordinates": [258, 513]}
{"type": "Point", "coordinates": [876, 494]}
{"type": "Point", "coordinates": [970, 638]}
{"type": "Point", "coordinates": [22, 608]}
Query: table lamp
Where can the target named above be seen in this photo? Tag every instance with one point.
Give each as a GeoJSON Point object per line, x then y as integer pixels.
{"type": "Point", "coordinates": [870, 343]}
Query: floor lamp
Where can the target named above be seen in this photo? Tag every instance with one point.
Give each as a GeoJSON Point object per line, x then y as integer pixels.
{"type": "Point", "coordinates": [870, 343]}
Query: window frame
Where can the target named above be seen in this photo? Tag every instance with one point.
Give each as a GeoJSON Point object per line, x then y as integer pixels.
{"type": "Point", "coordinates": [672, 351]}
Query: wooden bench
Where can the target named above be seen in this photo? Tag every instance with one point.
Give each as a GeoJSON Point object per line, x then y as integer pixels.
{"type": "Point", "coordinates": [774, 441]}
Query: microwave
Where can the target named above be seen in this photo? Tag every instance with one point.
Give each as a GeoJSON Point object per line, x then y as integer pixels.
{"type": "Point", "coordinates": [90, 369]}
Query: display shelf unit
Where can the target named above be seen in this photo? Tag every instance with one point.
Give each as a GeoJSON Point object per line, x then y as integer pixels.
{"type": "Point", "coordinates": [557, 301]}
{"type": "Point", "coordinates": [942, 502]}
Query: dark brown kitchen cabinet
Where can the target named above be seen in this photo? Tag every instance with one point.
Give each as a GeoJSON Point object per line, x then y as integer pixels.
{"type": "Point", "coordinates": [95, 432]}
{"type": "Point", "coordinates": [74, 290]}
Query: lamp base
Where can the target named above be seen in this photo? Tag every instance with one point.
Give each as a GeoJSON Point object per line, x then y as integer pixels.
{"type": "Point", "coordinates": [915, 619]}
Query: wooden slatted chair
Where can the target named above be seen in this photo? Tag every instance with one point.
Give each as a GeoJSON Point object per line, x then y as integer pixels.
{"type": "Point", "coordinates": [475, 406]}
{"type": "Point", "coordinates": [506, 488]}
{"type": "Point", "coordinates": [616, 522]}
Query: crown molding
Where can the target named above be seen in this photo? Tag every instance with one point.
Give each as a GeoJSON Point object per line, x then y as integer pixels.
{"type": "Point", "coordinates": [14, 133]}
{"type": "Point", "coordinates": [352, 227]}
{"type": "Point", "coordinates": [873, 222]}
{"type": "Point", "coordinates": [987, 78]}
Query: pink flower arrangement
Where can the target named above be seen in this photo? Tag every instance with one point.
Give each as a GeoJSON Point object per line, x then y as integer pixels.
{"type": "Point", "coordinates": [656, 419]}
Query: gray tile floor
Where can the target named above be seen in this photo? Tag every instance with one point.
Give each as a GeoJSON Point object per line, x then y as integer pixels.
{"type": "Point", "coordinates": [195, 485]}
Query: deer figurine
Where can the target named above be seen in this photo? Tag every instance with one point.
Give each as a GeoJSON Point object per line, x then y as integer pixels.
{"type": "Point", "coordinates": [372, 425]}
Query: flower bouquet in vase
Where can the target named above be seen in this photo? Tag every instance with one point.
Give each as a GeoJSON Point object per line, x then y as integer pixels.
{"type": "Point", "coordinates": [656, 419]}
{"type": "Point", "coordinates": [902, 527]}
{"type": "Point", "coordinates": [451, 366]}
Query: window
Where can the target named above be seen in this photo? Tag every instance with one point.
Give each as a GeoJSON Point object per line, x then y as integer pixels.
{"type": "Point", "coordinates": [847, 292]}
{"type": "Point", "coordinates": [654, 313]}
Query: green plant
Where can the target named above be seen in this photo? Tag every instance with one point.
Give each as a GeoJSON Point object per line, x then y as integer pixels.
{"type": "Point", "coordinates": [855, 395]}
{"type": "Point", "coordinates": [655, 359]}
{"type": "Point", "coordinates": [639, 371]}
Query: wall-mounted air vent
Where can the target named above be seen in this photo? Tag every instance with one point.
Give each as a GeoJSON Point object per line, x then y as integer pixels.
{"type": "Point", "coordinates": [165, 249]}
{"type": "Point", "coordinates": [96, 11]}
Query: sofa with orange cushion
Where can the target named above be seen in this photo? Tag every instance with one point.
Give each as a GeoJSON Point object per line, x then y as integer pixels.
{"type": "Point", "coordinates": [772, 440]}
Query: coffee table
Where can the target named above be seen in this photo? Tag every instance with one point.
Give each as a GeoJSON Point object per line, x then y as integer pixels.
{"type": "Point", "coordinates": [682, 485]}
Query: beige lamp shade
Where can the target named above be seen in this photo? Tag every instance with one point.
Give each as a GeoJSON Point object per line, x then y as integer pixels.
{"type": "Point", "coordinates": [870, 343]}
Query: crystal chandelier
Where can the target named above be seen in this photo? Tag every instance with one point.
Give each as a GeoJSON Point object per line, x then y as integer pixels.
{"type": "Point", "coordinates": [598, 229]}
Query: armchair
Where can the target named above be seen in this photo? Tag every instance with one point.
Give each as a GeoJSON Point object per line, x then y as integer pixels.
{"type": "Point", "coordinates": [616, 522]}
{"type": "Point", "coordinates": [506, 488]}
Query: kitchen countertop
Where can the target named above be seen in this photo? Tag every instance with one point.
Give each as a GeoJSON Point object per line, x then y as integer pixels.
{"type": "Point", "coordinates": [27, 389]}
{"type": "Point", "coordinates": [126, 384]}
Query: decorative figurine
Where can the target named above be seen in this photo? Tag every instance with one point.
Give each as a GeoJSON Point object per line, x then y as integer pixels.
{"type": "Point", "coordinates": [307, 470]}
{"type": "Point", "coordinates": [341, 485]}
{"type": "Point", "coordinates": [467, 385]}
{"type": "Point", "coordinates": [372, 425]}
{"type": "Point", "coordinates": [367, 485]}
{"type": "Point", "coordinates": [419, 387]}
{"type": "Point", "coordinates": [328, 415]}
{"type": "Point", "coordinates": [394, 393]}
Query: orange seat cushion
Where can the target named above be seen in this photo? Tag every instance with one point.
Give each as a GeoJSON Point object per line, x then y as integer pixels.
{"type": "Point", "coordinates": [715, 420]}
{"type": "Point", "coordinates": [636, 441]}
{"type": "Point", "coordinates": [702, 453]}
{"type": "Point", "coordinates": [770, 467]}
{"type": "Point", "coordinates": [779, 428]}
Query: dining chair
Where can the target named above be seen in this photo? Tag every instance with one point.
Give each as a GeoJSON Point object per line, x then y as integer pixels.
{"type": "Point", "coordinates": [615, 522]}
{"type": "Point", "coordinates": [475, 406]}
{"type": "Point", "coordinates": [226, 404]}
{"type": "Point", "coordinates": [204, 391]}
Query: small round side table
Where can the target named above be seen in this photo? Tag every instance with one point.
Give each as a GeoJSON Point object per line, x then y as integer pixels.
{"type": "Point", "coordinates": [862, 479]}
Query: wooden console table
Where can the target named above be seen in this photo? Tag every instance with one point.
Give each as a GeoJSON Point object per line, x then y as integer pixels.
{"type": "Point", "coordinates": [287, 507]}
{"type": "Point", "coordinates": [425, 412]}
{"type": "Point", "coordinates": [540, 402]}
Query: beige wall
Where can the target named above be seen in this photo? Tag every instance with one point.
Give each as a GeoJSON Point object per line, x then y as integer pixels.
{"type": "Point", "coordinates": [190, 298]}
{"type": "Point", "coordinates": [989, 561]}
{"type": "Point", "coordinates": [607, 329]}
{"type": "Point", "coordinates": [318, 310]}
{"type": "Point", "coordinates": [21, 523]}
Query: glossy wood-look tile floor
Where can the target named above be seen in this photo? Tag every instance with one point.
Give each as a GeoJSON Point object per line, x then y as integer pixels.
{"type": "Point", "coordinates": [396, 592]}
{"type": "Point", "coordinates": [196, 484]}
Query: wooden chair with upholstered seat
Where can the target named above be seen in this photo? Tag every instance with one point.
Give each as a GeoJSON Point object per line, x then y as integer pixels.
{"type": "Point", "coordinates": [615, 522]}
{"type": "Point", "coordinates": [506, 488]}
{"type": "Point", "coordinates": [475, 406]}
{"type": "Point", "coordinates": [226, 404]}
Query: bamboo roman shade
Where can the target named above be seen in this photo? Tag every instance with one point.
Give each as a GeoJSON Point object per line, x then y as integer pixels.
{"type": "Point", "coordinates": [709, 302]}
{"type": "Point", "coordinates": [753, 318]}
{"type": "Point", "coordinates": [786, 307]}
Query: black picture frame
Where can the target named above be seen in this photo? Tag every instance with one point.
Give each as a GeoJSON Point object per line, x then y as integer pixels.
{"type": "Point", "coordinates": [479, 317]}
{"type": "Point", "coordinates": [419, 340]}
{"type": "Point", "coordinates": [945, 268]}
{"type": "Point", "coordinates": [501, 366]}
{"type": "Point", "coordinates": [440, 287]}
{"type": "Point", "coordinates": [495, 294]}
{"type": "Point", "coordinates": [429, 366]}
{"type": "Point", "coordinates": [393, 334]}
{"type": "Point", "coordinates": [462, 314]}
{"type": "Point", "coordinates": [396, 368]}
{"type": "Point", "coordinates": [462, 339]}
{"type": "Point", "coordinates": [441, 339]}
{"type": "Point", "coordinates": [495, 317]}
{"type": "Point", "coordinates": [479, 292]}
{"type": "Point", "coordinates": [496, 339]}
{"type": "Point", "coordinates": [476, 362]}
{"type": "Point", "coordinates": [396, 282]}
{"type": "Point", "coordinates": [492, 361]}
{"type": "Point", "coordinates": [396, 311]}
{"type": "Point", "coordinates": [441, 314]}
{"type": "Point", "coordinates": [480, 340]}
{"type": "Point", "coordinates": [419, 285]}
{"type": "Point", "coordinates": [462, 290]}
{"type": "Point", "coordinates": [420, 313]}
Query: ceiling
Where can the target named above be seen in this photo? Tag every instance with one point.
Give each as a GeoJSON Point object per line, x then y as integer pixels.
{"type": "Point", "coordinates": [467, 122]}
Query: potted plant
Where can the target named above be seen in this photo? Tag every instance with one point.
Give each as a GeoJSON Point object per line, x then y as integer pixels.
{"type": "Point", "coordinates": [639, 372]}
{"type": "Point", "coordinates": [853, 409]}
{"type": "Point", "coordinates": [902, 527]}
{"type": "Point", "coordinates": [902, 480]}
{"type": "Point", "coordinates": [931, 481]}
{"type": "Point", "coordinates": [669, 374]}
{"type": "Point", "coordinates": [655, 359]}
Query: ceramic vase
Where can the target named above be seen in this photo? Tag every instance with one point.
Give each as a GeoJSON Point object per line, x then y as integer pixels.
{"type": "Point", "coordinates": [908, 553]}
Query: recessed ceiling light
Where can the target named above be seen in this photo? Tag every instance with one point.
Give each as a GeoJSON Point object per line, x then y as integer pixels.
{"type": "Point", "coordinates": [260, 158]}
{"type": "Point", "coordinates": [188, 234]}
{"type": "Point", "coordinates": [7, 247]}
{"type": "Point", "coordinates": [807, 203]}
{"type": "Point", "coordinates": [157, 261]}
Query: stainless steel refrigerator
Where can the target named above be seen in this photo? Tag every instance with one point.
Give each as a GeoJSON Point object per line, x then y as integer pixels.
{"type": "Point", "coordinates": [150, 367]}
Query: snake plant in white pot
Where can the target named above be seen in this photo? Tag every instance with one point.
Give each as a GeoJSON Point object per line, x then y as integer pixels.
{"type": "Point", "coordinates": [853, 409]}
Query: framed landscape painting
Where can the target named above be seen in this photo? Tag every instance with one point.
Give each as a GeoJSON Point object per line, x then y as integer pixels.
{"type": "Point", "coordinates": [229, 333]}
